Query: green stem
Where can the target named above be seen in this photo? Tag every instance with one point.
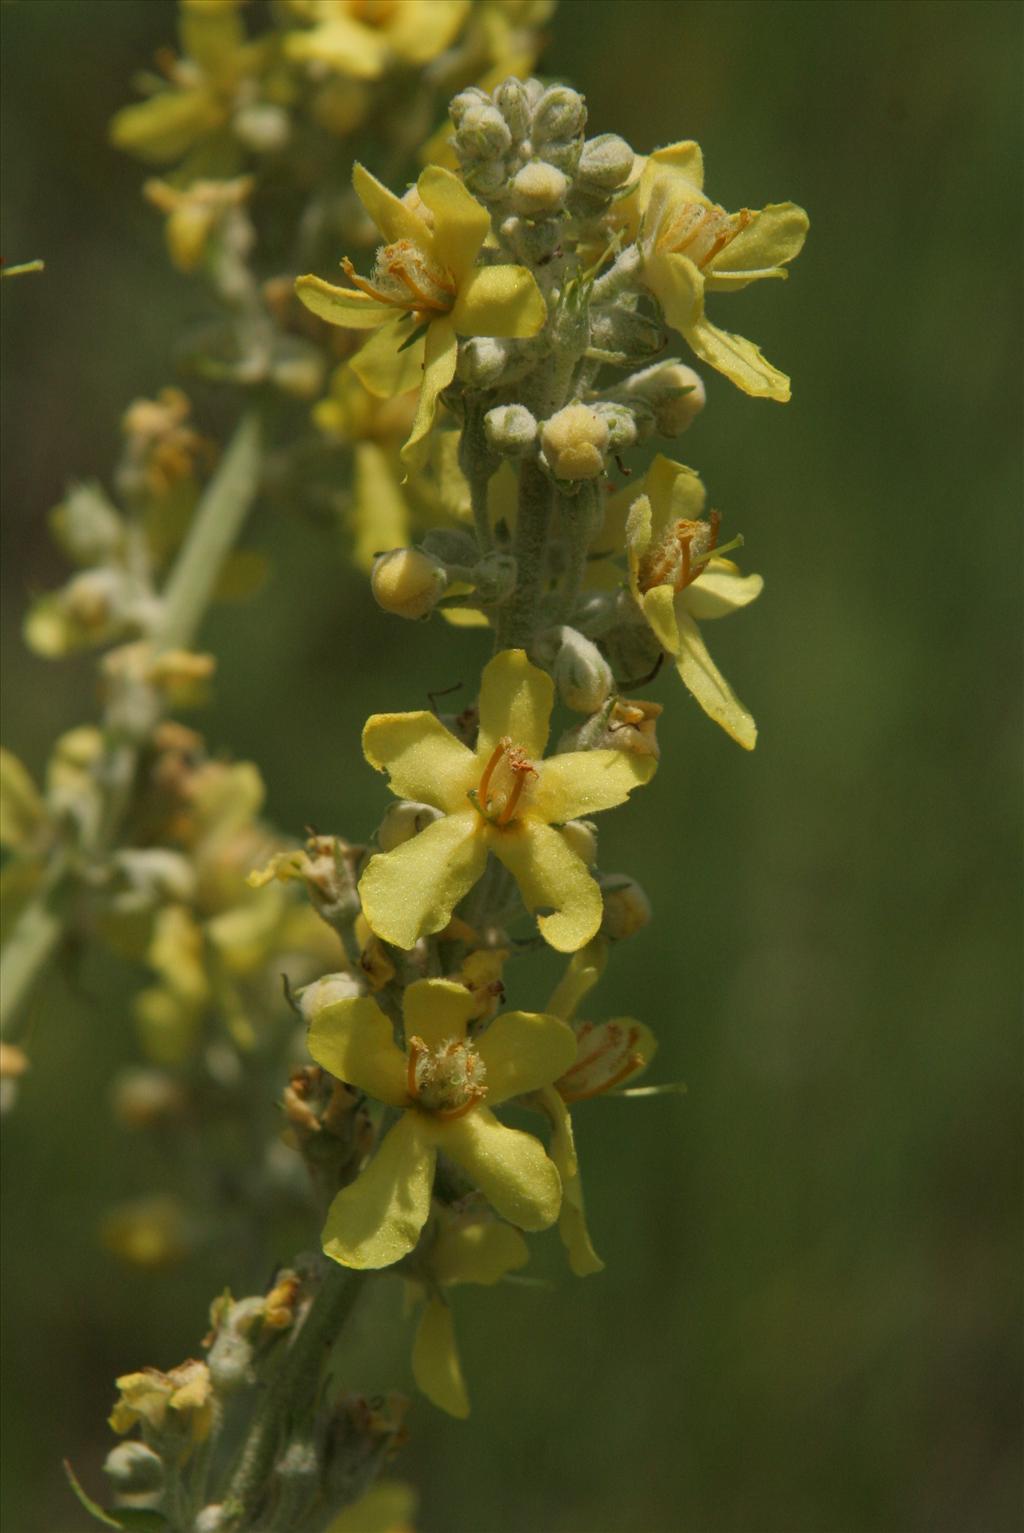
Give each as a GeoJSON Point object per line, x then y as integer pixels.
{"type": "Point", "coordinates": [478, 464]}
{"type": "Point", "coordinates": [579, 518]}
{"type": "Point", "coordinates": [292, 1390]}
{"type": "Point", "coordinates": [32, 943]}
{"type": "Point", "coordinates": [517, 619]}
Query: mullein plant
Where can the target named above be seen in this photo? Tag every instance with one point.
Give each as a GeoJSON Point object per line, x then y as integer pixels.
{"type": "Point", "coordinates": [479, 339]}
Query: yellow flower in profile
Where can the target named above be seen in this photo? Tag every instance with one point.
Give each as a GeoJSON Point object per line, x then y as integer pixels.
{"type": "Point", "coordinates": [609, 1054]}
{"type": "Point", "coordinates": [677, 579]}
{"type": "Point", "coordinates": [469, 1247]}
{"type": "Point", "coordinates": [445, 1084]}
{"type": "Point", "coordinates": [364, 38]}
{"type": "Point", "coordinates": [690, 247]}
{"type": "Point", "coordinates": [501, 798]}
{"type": "Point", "coordinates": [177, 1405]}
{"type": "Point", "coordinates": [426, 269]}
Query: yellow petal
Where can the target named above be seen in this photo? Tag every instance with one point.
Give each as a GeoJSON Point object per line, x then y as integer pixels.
{"type": "Point", "coordinates": [380, 512]}
{"type": "Point", "coordinates": [377, 1219]}
{"type": "Point", "coordinates": [385, 1508]}
{"type": "Point", "coordinates": [437, 1009]}
{"type": "Point", "coordinates": [504, 301]}
{"type": "Point", "coordinates": [481, 1251]}
{"type": "Point", "coordinates": [551, 877]}
{"type": "Point", "coordinates": [523, 1051]}
{"type": "Point", "coordinates": [510, 1168]}
{"type": "Point", "coordinates": [439, 357]}
{"type": "Point", "coordinates": [393, 217]}
{"type": "Point", "coordinates": [211, 35]}
{"type": "Point", "coordinates": [345, 306]}
{"type": "Point", "coordinates": [516, 699]}
{"type": "Point", "coordinates": [721, 589]}
{"type": "Point", "coordinates": [435, 1361]}
{"type": "Point", "coordinates": [411, 892]}
{"type": "Point", "coordinates": [460, 222]}
{"type": "Point", "coordinates": [572, 1223]}
{"type": "Point", "coordinates": [383, 366]}
{"type": "Point", "coordinates": [23, 814]}
{"type": "Point", "coordinates": [421, 29]}
{"type": "Point", "coordinates": [354, 1040]}
{"type": "Point", "coordinates": [167, 125]}
{"type": "Point", "coordinates": [582, 974]}
{"type": "Point", "coordinates": [423, 760]}
{"type": "Point", "coordinates": [684, 158]}
{"type": "Point", "coordinates": [774, 235]}
{"type": "Point", "coordinates": [580, 783]}
{"type": "Point", "coordinates": [707, 684]}
{"type": "Point", "coordinates": [739, 360]}
{"type": "Point", "coordinates": [660, 607]}
{"type": "Point", "coordinates": [341, 43]}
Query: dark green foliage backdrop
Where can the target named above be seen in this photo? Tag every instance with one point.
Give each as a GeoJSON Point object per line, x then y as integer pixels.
{"type": "Point", "coordinates": [810, 1317]}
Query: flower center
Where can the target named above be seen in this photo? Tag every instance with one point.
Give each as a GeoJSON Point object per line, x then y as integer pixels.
{"type": "Point", "coordinates": [446, 1080]}
{"type": "Point", "coordinates": [503, 782]}
{"type": "Point", "coordinates": [701, 232]}
{"type": "Point", "coordinates": [681, 554]}
{"type": "Point", "coordinates": [405, 277]}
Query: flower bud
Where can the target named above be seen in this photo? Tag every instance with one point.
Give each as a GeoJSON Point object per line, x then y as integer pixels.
{"type": "Point", "coordinates": [143, 1098]}
{"type": "Point", "coordinates": [581, 673]}
{"type": "Point", "coordinates": [230, 1361]}
{"type": "Point", "coordinates": [262, 127]}
{"type": "Point", "coordinates": [86, 525]}
{"type": "Point", "coordinates": [606, 161]}
{"type": "Point", "coordinates": [407, 583]}
{"type": "Point", "coordinates": [627, 909]}
{"type": "Point", "coordinates": [675, 393]}
{"type": "Point", "coordinates": [560, 113]}
{"type": "Point", "coordinates": [134, 1469]}
{"type": "Point", "coordinates": [482, 361]}
{"type": "Point", "coordinates": [469, 100]}
{"type": "Point", "coordinates": [621, 423]}
{"type": "Point", "coordinates": [631, 336]}
{"type": "Point", "coordinates": [325, 991]}
{"type": "Point", "coordinates": [582, 837]}
{"type": "Point", "coordinates": [495, 577]}
{"type": "Point", "coordinates": [510, 429]}
{"type": "Point", "coordinates": [574, 443]}
{"type": "Point", "coordinates": [486, 178]}
{"type": "Point", "coordinates": [404, 820]}
{"type": "Point", "coordinates": [482, 133]}
{"type": "Point", "coordinates": [513, 103]}
{"type": "Point", "coordinates": [539, 188]}
{"type": "Point", "coordinates": [214, 1518]}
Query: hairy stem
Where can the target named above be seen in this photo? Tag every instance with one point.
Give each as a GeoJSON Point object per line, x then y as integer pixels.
{"type": "Point", "coordinates": [517, 619]}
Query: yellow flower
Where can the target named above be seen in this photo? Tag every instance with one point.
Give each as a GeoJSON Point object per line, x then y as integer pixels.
{"type": "Point", "coordinates": [445, 1085]}
{"type": "Point", "coordinates": [677, 579]}
{"type": "Point", "coordinates": [194, 212]}
{"type": "Point", "coordinates": [364, 38]}
{"type": "Point", "coordinates": [690, 246]}
{"type": "Point", "coordinates": [468, 1248]}
{"type": "Point", "coordinates": [609, 1053]}
{"type": "Point", "coordinates": [500, 798]}
{"type": "Point", "coordinates": [175, 1405]}
{"type": "Point", "coordinates": [425, 269]}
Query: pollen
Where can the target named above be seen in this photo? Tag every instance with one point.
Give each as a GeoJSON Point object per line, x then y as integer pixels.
{"type": "Point", "coordinates": [404, 276]}
{"type": "Point", "coordinates": [447, 1080]}
{"type": "Point", "coordinates": [681, 554]}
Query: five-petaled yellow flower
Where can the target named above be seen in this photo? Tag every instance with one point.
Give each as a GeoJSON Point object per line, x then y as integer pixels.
{"type": "Point", "coordinates": [469, 1247]}
{"type": "Point", "coordinates": [691, 246]}
{"type": "Point", "coordinates": [446, 1083]}
{"type": "Point", "coordinates": [500, 798]}
{"type": "Point", "coordinates": [427, 268]}
{"type": "Point", "coordinates": [676, 578]}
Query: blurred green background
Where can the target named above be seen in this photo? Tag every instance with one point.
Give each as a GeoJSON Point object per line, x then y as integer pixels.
{"type": "Point", "coordinates": [810, 1318]}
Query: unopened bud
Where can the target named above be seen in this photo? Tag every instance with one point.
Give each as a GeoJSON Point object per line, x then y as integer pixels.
{"type": "Point", "coordinates": [86, 525]}
{"type": "Point", "coordinates": [582, 838]}
{"type": "Point", "coordinates": [675, 393]}
{"type": "Point", "coordinates": [407, 583]}
{"type": "Point", "coordinates": [262, 127]}
{"type": "Point", "coordinates": [606, 161]}
{"type": "Point", "coordinates": [581, 673]}
{"type": "Point", "coordinates": [230, 1361]}
{"type": "Point", "coordinates": [627, 909]}
{"type": "Point", "coordinates": [513, 103]}
{"type": "Point", "coordinates": [143, 1098]}
{"type": "Point", "coordinates": [404, 820]}
{"type": "Point", "coordinates": [510, 429]}
{"type": "Point", "coordinates": [539, 188]}
{"type": "Point", "coordinates": [631, 336]}
{"type": "Point", "coordinates": [214, 1518]}
{"type": "Point", "coordinates": [469, 100]}
{"type": "Point", "coordinates": [621, 423]}
{"type": "Point", "coordinates": [483, 133]}
{"type": "Point", "coordinates": [561, 113]}
{"type": "Point", "coordinates": [574, 443]}
{"type": "Point", "coordinates": [325, 991]}
{"type": "Point", "coordinates": [134, 1469]}
{"type": "Point", "coordinates": [482, 361]}
{"type": "Point", "coordinates": [486, 178]}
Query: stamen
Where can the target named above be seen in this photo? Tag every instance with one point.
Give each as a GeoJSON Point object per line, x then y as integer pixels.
{"type": "Point", "coordinates": [522, 769]}
{"type": "Point", "coordinates": [417, 1049]}
{"type": "Point", "coordinates": [504, 744]}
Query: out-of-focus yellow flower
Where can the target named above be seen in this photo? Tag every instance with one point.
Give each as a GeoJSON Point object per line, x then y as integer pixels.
{"type": "Point", "coordinates": [425, 269]}
{"type": "Point", "coordinates": [149, 1233]}
{"type": "Point", "coordinates": [363, 39]}
{"type": "Point", "coordinates": [177, 1404]}
{"type": "Point", "coordinates": [609, 1053]}
{"type": "Point", "coordinates": [387, 1507]}
{"type": "Point", "coordinates": [446, 1085]}
{"type": "Point", "coordinates": [194, 212]}
{"type": "Point", "coordinates": [500, 798]}
{"type": "Point", "coordinates": [677, 579]}
{"type": "Point", "coordinates": [469, 1247]}
{"type": "Point", "coordinates": [691, 246]}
